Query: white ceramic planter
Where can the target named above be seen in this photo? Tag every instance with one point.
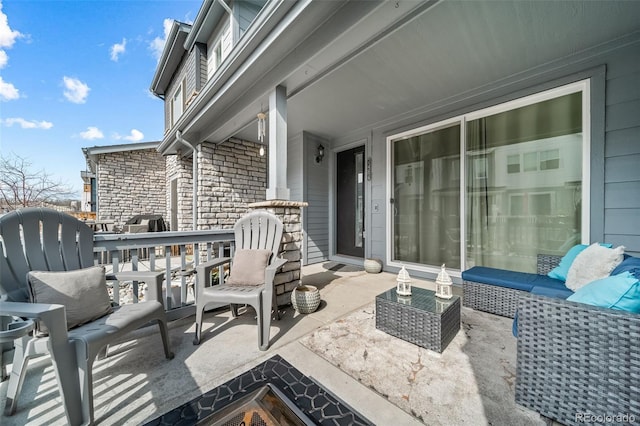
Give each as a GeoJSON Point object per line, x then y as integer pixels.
{"type": "Point", "coordinates": [305, 299]}
{"type": "Point", "coordinates": [373, 266]}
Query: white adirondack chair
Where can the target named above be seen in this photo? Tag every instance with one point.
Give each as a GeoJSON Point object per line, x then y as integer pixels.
{"type": "Point", "coordinates": [254, 231]}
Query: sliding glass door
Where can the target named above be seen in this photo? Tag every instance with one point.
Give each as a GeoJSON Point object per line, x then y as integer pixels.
{"type": "Point", "coordinates": [524, 183]}
{"type": "Point", "coordinates": [426, 197]}
{"type": "Point", "coordinates": [517, 191]}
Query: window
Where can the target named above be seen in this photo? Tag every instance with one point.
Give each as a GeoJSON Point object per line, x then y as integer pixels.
{"type": "Point", "coordinates": [540, 204]}
{"type": "Point", "coordinates": [513, 163]}
{"type": "Point", "coordinates": [508, 205]}
{"type": "Point", "coordinates": [177, 103]}
{"type": "Point", "coordinates": [480, 168]}
{"type": "Point", "coordinates": [530, 161]}
{"type": "Point", "coordinates": [219, 48]}
{"type": "Point", "coordinates": [516, 205]}
{"type": "Point", "coordinates": [550, 159]}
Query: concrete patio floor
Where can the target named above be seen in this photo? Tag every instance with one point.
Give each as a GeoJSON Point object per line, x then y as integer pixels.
{"type": "Point", "coordinates": [136, 383]}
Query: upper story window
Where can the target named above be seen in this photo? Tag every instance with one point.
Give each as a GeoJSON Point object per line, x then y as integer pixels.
{"type": "Point", "coordinates": [218, 48]}
{"type": "Point", "coordinates": [177, 105]}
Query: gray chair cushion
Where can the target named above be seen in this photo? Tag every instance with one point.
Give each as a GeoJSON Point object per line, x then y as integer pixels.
{"type": "Point", "coordinates": [248, 267]}
{"type": "Point", "coordinates": [83, 292]}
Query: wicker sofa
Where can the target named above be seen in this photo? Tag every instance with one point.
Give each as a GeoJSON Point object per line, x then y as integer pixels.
{"type": "Point", "coordinates": [578, 363]}
{"type": "Point", "coordinates": [485, 292]}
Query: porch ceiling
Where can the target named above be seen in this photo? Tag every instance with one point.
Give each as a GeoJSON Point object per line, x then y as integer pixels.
{"type": "Point", "coordinates": [438, 55]}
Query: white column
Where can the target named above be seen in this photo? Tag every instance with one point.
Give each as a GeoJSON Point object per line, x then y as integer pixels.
{"type": "Point", "coordinates": [277, 189]}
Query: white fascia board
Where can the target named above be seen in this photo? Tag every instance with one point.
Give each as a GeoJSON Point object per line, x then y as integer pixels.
{"type": "Point", "coordinates": [172, 52]}
{"type": "Point", "coordinates": [110, 149]}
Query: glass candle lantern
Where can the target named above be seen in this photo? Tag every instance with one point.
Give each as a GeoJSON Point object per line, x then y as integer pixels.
{"type": "Point", "coordinates": [444, 285]}
{"type": "Point", "coordinates": [403, 283]}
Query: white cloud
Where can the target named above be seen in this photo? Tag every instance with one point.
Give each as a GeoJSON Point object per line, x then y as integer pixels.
{"type": "Point", "coordinates": [27, 124]}
{"type": "Point", "coordinates": [76, 91]}
{"type": "Point", "coordinates": [92, 133]}
{"type": "Point", "coordinates": [157, 44]}
{"type": "Point", "coordinates": [135, 136]}
{"type": "Point", "coordinates": [118, 49]}
{"type": "Point", "coordinates": [7, 35]}
{"type": "Point", "coordinates": [8, 91]}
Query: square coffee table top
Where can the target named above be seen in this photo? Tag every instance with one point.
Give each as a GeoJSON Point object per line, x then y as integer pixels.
{"type": "Point", "coordinates": [422, 299]}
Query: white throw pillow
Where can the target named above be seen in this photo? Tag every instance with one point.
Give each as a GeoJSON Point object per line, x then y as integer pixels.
{"type": "Point", "coordinates": [248, 267]}
{"type": "Point", "coordinates": [593, 263]}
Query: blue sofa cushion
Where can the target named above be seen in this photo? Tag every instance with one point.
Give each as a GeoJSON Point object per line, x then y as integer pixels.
{"type": "Point", "coordinates": [629, 264]}
{"type": "Point", "coordinates": [549, 291]}
{"type": "Point", "coordinates": [621, 292]}
{"type": "Point", "coordinates": [510, 279]}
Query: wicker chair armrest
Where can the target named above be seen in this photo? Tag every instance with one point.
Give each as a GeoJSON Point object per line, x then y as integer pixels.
{"type": "Point", "coordinates": [546, 262]}
{"type": "Point", "coordinates": [574, 358]}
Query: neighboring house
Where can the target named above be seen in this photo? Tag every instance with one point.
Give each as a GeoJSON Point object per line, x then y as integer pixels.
{"type": "Point", "coordinates": [125, 180]}
{"type": "Point", "coordinates": [420, 133]}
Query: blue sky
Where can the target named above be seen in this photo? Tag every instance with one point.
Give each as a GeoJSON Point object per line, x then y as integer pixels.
{"type": "Point", "coordinates": [76, 74]}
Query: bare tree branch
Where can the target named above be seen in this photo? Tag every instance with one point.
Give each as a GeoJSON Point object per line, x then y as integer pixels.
{"type": "Point", "coordinates": [20, 186]}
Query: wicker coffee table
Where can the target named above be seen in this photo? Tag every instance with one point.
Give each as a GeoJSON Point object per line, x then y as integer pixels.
{"type": "Point", "coordinates": [422, 319]}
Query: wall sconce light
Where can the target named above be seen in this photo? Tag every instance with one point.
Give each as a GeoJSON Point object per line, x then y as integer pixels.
{"type": "Point", "coordinates": [261, 152]}
{"type": "Point", "coordinates": [320, 154]}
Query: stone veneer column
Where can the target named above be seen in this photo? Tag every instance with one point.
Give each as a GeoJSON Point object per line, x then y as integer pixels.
{"type": "Point", "coordinates": [291, 246]}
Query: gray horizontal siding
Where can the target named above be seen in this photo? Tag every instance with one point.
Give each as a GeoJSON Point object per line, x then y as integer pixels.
{"type": "Point", "coordinates": [623, 169]}
{"type": "Point", "coordinates": [623, 115]}
{"type": "Point", "coordinates": [624, 88]}
{"type": "Point", "coordinates": [621, 222]}
{"type": "Point", "coordinates": [622, 142]}
{"type": "Point", "coordinates": [622, 149]}
{"type": "Point", "coordinates": [316, 187]}
{"type": "Point", "coordinates": [630, 242]}
{"type": "Point", "coordinates": [622, 195]}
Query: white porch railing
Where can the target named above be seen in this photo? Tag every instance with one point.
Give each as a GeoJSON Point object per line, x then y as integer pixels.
{"type": "Point", "coordinates": [175, 252]}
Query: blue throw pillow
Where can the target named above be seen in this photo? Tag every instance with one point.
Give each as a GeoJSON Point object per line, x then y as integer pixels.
{"type": "Point", "coordinates": [560, 272]}
{"type": "Point", "coordinates": [621, 292]}
{"type": "Point", "coordinates": [629, 264]}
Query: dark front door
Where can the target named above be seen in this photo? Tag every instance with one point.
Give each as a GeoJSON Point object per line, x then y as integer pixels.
{"type": "Point", "coordinates": [350, 202]}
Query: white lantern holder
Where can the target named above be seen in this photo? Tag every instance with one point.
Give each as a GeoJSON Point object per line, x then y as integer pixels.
{"type": "Point", "coordinates": [403, 283]}
{"type": "Point", "coordinates": [444, 285]}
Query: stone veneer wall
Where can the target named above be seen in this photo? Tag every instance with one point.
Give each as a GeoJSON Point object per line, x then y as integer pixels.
{"type": "Point", "coordinates": [230, 177]}
{"type": "Point", "coordinates": [291, 246]}
{"type": "Point", "coordinates": [130, 183]}
{"type": "Point", "coordinates": [180, 168]}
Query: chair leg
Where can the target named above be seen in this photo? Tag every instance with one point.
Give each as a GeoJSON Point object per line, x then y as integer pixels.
{"type": "Point", "coordinates": [274, 304]}
{"type": "Point", "coordinates": [85, 364]}
{"type": "Point", "coordinates": [164, 332]}
{"type": "Point", "coordinates": [23, 351]}
{"type": "Point", "coordinates": [104, 352]}
{"type": "Point", "coordinates": [264, 324]}
{"type": "Point", "coordinates": [234, 310]}
{"type": "Point", "coordinates": [198, 336]}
